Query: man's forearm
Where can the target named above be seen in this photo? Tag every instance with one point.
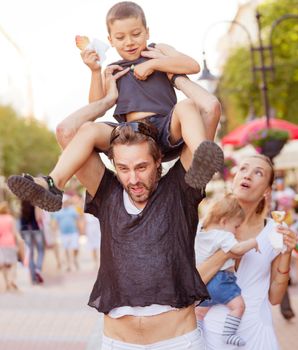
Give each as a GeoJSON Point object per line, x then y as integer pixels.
{"type": "Point", "coordinates": [177, 64]}
{"type": "Point", "coordinates": [70, 125]}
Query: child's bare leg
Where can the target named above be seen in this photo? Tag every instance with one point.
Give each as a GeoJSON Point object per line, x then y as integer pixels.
{"type": "Point", "coordinates": [89, 136]}
{"type": "Point", "coordinates": [207, 156]}
{"type": "Point", "coordinates": [187, 123]}
{"type": "Point", "coordinates": [236, 310]}
{"type": "Point", "coordinates": [44, 192]}
{"type": "Point", "coordinates": [206, 103]}
{"type": "Point", "coordinates": [201, 312]}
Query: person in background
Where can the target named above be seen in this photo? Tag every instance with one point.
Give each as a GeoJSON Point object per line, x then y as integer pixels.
{"type": "Point", "coordinates": [67, 221]}
{"type": "Point", "coordinates": [51, 235]}
{"type": "Point", "coordinates": [93, 234]}
{"type": "Point", "coordinates": [283, 198]}
{"type": "Point", "coordinates": [34, 238]}
{"type": "Point", "coordinates": [8, 247]}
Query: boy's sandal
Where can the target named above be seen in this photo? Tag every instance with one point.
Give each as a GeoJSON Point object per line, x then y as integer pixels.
{"type": "Point", "coordinates": [207, 160]}
{"type": "Point", "coordinates": [24, 187]}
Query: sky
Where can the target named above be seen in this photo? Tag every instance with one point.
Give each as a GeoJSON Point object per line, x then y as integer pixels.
{"type": "Point", "coordinates": [39, 57]}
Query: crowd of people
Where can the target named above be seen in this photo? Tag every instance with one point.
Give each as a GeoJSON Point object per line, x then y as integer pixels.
{"type": "Point", "coordinates": [154, 288]}
{"type": "Point", "coordinates": [27, 236]}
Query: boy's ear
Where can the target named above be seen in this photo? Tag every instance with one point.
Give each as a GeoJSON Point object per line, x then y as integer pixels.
{"type": "Point", "coordinates": [148, 34]}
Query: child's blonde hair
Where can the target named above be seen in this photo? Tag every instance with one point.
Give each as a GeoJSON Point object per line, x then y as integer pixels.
{"type": "Point", "coordinates": [225, 208]}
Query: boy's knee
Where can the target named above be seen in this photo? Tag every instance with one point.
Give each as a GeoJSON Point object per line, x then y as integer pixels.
{"type": "Point", "coordinates": [214, 108]}
{"type": "Point", "coordinates": [183, 107]}
{"type": "Point", "coordinates": [63, 134]}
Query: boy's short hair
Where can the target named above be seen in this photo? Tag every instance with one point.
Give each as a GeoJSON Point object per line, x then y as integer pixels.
{"type": "Point", "coordinates": [123, 10]}
{"type": "Point", "coordinates": [225, 208]}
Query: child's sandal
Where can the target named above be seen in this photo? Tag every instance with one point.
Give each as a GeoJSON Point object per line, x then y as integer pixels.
{"type": "Point", "coordinates": [207, 160]}
{"type": "Point", "coordinates": [24, 187]}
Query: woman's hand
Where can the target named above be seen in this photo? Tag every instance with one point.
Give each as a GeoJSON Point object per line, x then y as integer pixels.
{"type": "Point", "coordinates": [289, 237]}
{"type": "Point", "coordinates": [91, 59]}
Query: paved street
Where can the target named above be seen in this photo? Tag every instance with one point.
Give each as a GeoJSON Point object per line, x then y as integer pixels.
{"type": "Point", "coordinates": [55, 316]}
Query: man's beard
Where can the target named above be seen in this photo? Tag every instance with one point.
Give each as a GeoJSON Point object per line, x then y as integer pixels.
{"type": "Point", "coordinates": [143, 197]}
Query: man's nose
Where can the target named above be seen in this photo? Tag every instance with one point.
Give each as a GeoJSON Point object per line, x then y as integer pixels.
{"type": "Point", "coordinates": [133, 178]}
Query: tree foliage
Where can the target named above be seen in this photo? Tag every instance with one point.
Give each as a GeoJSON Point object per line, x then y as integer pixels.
{"type": "Point", "coordinates": [236, 88]}
{"type": "Point", "coordinates": [26, 145]}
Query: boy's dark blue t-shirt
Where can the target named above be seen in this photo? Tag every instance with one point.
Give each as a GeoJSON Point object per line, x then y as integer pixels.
{"type": "Point", "coordinates": [155, 94]}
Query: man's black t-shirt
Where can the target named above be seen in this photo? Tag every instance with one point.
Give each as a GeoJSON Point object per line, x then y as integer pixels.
{"type": "Point", "coordinates": [147, 258]}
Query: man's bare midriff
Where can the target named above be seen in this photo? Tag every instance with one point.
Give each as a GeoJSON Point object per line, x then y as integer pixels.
{"type": "Point", "coordinates": [150, 329]}
{"type": "Point", "coordinates": [132, 116]}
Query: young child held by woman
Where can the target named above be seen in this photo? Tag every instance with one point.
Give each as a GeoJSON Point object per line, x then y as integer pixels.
{"type": "Point", "coordinates": [218, 232]}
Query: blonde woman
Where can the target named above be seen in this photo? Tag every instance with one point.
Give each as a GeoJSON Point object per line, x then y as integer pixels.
{"type": "Point", "coordinates": [263, 278]}
{"type": "Point", "coordinates": [223, 218]}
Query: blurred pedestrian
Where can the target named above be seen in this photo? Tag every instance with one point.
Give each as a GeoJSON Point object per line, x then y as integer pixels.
{"type": "Point", "coordinates": [93, 234]}
{"type": "Point", "coordinates": [34, 239]}
{"type": "Point", "coordinates": [67, 220]}
{"type": "Point", "coordinates": [284, 199]}
{"type": "Point", "coordinates": [51, 235]}
{"type": "Point", "coordinates": [8, 247]}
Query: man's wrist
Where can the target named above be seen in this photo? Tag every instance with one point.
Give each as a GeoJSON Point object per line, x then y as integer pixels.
{"type": "Point", "coordinates": [178, 79]}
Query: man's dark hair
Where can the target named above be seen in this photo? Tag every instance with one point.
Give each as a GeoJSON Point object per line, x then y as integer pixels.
{"type": "Point", "coordinates": [123, 10]}
{"type": "Point", "coordinates": [127, 136]}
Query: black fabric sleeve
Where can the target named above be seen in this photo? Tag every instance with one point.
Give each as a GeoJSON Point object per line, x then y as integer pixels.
{"type": "Point", "coordinates": [178, 172]}
{"type": "Point", "coordinates": [93, 204]}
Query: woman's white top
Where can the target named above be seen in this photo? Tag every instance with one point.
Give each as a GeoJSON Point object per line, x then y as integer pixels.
{"type": "Point", "coordinates": [253, 277]}
{"type": "Point", "coordinates": [209, 242]}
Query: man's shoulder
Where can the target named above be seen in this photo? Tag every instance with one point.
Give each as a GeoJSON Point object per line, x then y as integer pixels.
{"type": "Point", "coordinates": [108, 184]}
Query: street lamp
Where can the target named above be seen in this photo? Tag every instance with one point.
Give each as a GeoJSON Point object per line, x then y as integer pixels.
{"type": "Point", "coordinates": [28, 73]}
{"type": "Point", "coordinates": [207, 79]}
{"type": "Point", "coordinates": [263, 68]}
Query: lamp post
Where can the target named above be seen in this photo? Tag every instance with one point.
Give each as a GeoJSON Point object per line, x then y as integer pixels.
{"type": "Point", "coordinates": [30, 102]}
{"type": "Point", "coordinates": [261, 49]}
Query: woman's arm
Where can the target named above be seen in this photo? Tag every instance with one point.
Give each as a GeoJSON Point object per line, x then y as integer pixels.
{"type": "Point", "coordinates": [280, 267]}
{"type": "Point", "coordinates": [280, 270]}
{"type": "Point", "coordinates": [212, 265]}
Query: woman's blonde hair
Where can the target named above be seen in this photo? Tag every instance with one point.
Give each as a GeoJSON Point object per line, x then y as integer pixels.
{"type": "Point", "coordinates": [225, 208]}
{"type": "Point", "coordinates": [4, 208]}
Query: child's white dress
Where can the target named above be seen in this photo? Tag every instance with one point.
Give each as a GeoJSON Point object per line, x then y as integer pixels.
{"type": "Point", "coordinates": [253, 277]}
